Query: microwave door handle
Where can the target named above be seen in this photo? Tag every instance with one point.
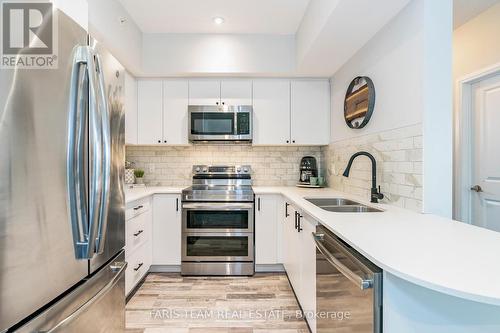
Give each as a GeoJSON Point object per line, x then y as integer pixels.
{"type": "Point", "coordinates": [344, 270]}
{"type": "Point", "coordinates": [75, 161]}
{"type": "Point", "coordinates": [104, 123]}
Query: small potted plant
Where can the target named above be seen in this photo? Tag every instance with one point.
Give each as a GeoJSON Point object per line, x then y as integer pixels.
{"type": "Point", "coordinates": [138, 173]}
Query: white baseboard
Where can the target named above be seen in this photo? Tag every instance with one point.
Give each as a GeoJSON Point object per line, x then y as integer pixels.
{"type": "Point", "coordinates": [165, 269]}
{"type": "Point", "coordinates": [269, 268]}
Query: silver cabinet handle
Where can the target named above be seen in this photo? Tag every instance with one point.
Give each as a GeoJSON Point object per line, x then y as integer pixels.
{"type": "Point", "coordinates": [119, 268]}
{"type": "Point", "coordinates": [138, 233]}
{"type": "Point", "coordinates": [358, 280]}
{"type": "Point", "coordinates": [476, 188]}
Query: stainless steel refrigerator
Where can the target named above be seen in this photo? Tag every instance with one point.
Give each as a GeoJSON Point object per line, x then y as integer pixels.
{"type": "Point", "coordinates": [62, 202]}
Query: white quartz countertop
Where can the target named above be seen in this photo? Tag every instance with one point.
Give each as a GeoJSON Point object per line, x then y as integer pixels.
{"type": "Point", "coordinates": [437, 253]}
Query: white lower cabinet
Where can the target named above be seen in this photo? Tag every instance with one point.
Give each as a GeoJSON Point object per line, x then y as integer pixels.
{"type": "Point", "coordinates": [266, 229]}
{"type": "Point", "coordinates": [299, 259]}
{"type": "Point", "coordinates": [167, 229]}
{"type": "Point", "coordinates": [138, 227]}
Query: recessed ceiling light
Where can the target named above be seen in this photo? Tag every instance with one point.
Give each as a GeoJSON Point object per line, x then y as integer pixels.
{"type": "Point", "coordinates": [218, 20]}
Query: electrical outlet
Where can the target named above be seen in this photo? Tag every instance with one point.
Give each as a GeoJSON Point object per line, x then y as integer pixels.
{"type": "Point", "coordinates": [151, 168]}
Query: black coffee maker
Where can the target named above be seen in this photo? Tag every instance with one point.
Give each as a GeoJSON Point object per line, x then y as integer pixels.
{"type": "Point", "coordinates": [308, 168]}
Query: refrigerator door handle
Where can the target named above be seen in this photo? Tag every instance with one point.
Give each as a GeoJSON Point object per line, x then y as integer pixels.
{"type": "Point", "coordinates": [118, 267]}
{"type": "Point", "coordinates": [96, 151]}
{"type": "Point", "coordinates": [102, 101]}
{"type": "Point", "coordinates": [81, 224]}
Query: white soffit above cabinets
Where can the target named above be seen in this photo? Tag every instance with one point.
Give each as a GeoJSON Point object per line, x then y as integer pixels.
{"type": "Point", "coordinates": [196, 16]}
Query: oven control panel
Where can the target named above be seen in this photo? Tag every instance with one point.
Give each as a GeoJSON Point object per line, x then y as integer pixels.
{"type": "Point", "coordinates": [221, 169]}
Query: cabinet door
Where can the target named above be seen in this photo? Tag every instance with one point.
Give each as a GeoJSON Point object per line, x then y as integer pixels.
{"type": "Point", "coordinates": [292, 250]}
{"type": "Point", "coordinates": [166, 229]}
{"type": "Point", "coordinates": [150, 112]}
{"type": "Point", "coordinates": [307, 290]}
{"type": "Point", "coordinates": [175, 111]}
{"type": "Point", "coordinates": [266, 230]}
{"type": "Point", "coordinates": [130, 104]}
{"type": "Point", "coordinates": [204, 92]}
{"type": "Point", "coordinates": [310, 115]}
{"type": "Point", "coordinates": [271, 107]}
{"type": "Point", "coordinates": [236, 92]}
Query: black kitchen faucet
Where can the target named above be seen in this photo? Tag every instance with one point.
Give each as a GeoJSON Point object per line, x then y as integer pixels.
{"type": "Point", "coordinates": [375, 193]}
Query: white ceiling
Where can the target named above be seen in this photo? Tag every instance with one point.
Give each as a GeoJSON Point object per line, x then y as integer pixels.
{"type": "Point", "coordinates": [196, 16]}
{"type": "Point", "coordinates": [464, 10]}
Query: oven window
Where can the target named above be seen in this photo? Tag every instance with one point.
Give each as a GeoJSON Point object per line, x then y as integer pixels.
{"type": "Point", "coordinates": [217, 246]}
{"type": "Point", "coordinates": [210, 219]}
{"type": "Point", "coordinates": [212, 123]}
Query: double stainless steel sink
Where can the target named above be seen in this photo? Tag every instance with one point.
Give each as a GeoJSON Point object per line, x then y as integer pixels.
{"type": "Point", "coordinates": [341, 205]}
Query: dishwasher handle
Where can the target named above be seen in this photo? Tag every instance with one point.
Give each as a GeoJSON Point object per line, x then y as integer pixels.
{"type": "Point", "coordinates": [348, 273]}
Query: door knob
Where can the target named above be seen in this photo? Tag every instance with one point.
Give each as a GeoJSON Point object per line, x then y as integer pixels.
{"type": "Point", "coordinates": [476, 188]}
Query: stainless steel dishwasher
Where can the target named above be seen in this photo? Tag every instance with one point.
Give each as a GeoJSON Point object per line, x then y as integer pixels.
{"type": "Point", "coordinates": [348, 288]}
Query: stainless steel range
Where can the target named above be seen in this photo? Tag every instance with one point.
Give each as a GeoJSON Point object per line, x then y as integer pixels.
{"type": "Point", "coordinates": [218, 222]}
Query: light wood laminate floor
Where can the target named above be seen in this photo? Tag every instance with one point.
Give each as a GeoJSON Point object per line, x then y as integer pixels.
{"type": "Point", "coordinates": [168, 302]}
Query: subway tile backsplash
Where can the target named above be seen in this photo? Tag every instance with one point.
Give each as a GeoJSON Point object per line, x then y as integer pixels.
{"type": "Point", "coordinates": [399, 164]}
{"type": "Point", "coordinates": [398, 153]}
{"type": "Point", "coordinates": [172, 165]}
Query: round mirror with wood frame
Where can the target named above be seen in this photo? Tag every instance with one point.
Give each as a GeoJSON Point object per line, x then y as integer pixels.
{"type": "Point", "coordinates": [359, 102]}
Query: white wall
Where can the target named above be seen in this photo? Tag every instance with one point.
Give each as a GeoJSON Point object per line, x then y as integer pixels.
{"type": "Point", "coordinates": [409, 61]}
{"type": "Point", "coordinates": [473, 51]}
{"type": "Point", "coordinates": [222, 54]}
{"type": "Point", "coordinates": [76, 9]}
{"type": "Point", "coordinates": [393, 59]}
{"type": "Point", "coordinates": [475, 44]}
{"type": "Point", "coordinates": [123, 40]}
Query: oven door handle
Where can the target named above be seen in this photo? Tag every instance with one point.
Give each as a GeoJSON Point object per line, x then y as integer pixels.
{"type": "Point", "coordinates": [358, 280]}
{"type": "Point", "coordinates": [217, 206]}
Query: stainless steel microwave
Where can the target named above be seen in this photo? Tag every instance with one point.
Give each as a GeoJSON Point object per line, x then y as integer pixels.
{"type": "Point", "coordinates": [220, 123]}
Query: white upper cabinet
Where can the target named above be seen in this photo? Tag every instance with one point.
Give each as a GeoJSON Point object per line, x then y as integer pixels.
{"type": "Point", "coordinates": [130, 104]}
{"type": "Point", "coordinates": [310, 112]}
{"type": "Point", "coordinates": [236, 92]}
{"type": "Point", "coordinates": [175, 112]}
{"type": "Point", "coordinates": [271, 107]}
{"type": "Point", "coordinates": [150, 112]}
{"type": "Point", "coordinates": [204, 92]}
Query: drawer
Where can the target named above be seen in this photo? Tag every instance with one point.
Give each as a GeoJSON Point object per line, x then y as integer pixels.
{"type": "Point", "coordinates": [138, 208]}
{"type": "Point", "coordinates": [138, 266]}
{"type": "Point", "coordinates": [137, 232]}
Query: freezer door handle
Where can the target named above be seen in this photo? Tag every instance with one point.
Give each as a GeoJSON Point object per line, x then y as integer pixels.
{"type": "Point", "coordinates": [118, 267]}
{"type": "Point", "coordinates": [102, 102]}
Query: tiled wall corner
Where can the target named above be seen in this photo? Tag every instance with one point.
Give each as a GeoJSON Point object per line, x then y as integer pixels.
{"type": "Point", "coordinates": [399, 165]}
{"type": "Point", "coordinates": [171, 165]}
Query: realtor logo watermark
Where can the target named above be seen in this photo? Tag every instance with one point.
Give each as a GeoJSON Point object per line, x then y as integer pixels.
{"type": "Point", "coordinates": [29, 35]}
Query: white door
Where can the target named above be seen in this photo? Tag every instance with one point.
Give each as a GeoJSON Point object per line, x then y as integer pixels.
{"type": "Point", "coordinates": [167, 229]}
{"type": "Point", "coordinates": [130, 103]}
{"type": "Point", "coordinates": [175, 111]}
{"type": "Point", "coordinates": [149, 112]}
{"type": "Point", "coordinates": [310, 115]}
{"type": "Point", "coordinates": [486, 165]}
{"type": "Point", "coordinates": [265, 230]}
{"type": "Point", "coordinates": [271, 112]}
{"type": "Point", "coordinates": [236, 92]}
{"type": "Point", "coordinates": [204, 92]}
